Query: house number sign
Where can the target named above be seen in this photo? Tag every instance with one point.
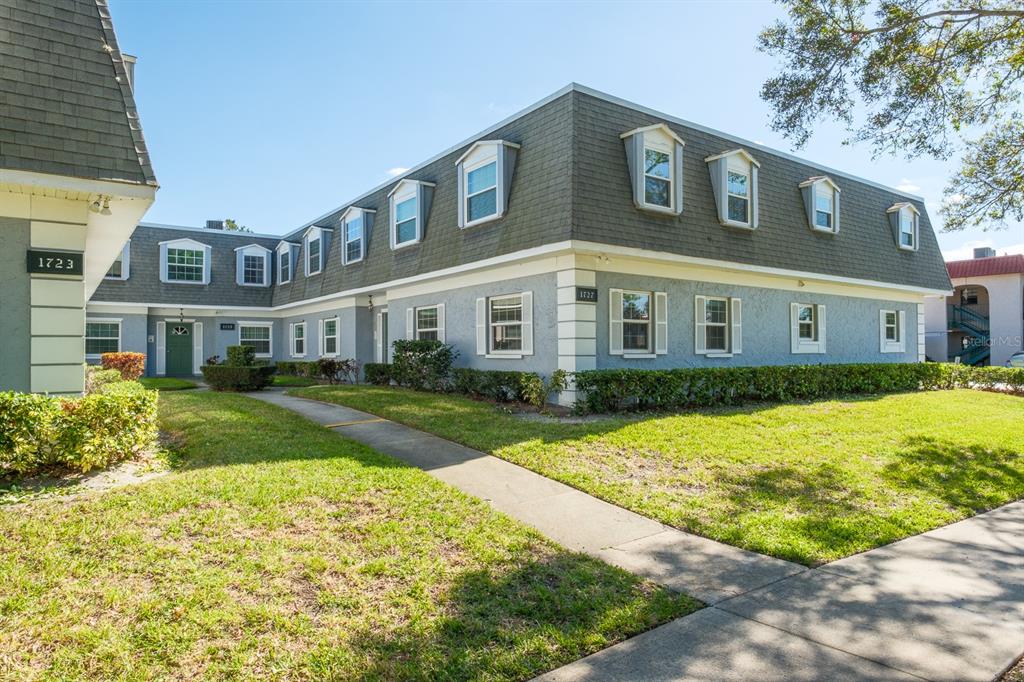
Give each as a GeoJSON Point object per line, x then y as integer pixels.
{"type": "Point", "coordinates": [55, 262]}
{"type": "Point", "coordinates": [586, 295]}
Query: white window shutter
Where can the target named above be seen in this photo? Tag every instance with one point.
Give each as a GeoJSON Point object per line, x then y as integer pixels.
{"type": "Point", "coordinates": [460, 174]}
{"type": "Point", "coordinates": [881, 331]}
{"type": "Point", "coordinates": [161, 348]}
{"type": "Point", "coordinates": [410, 321]}
{"type": "Point", "coordinates": [615, 321]}
{"type": "Point", "coordinates": [754, 191]}
{"type": "Point", "coordinates": [821, 329]}
{"type": "Point", "coordinates": [737, 325]}
{"type": "Point", "coordinates": [700, 319]}
{"type": "Point", "coordinates": [660, 323]}
{"type": "Point", "coordinates": [440, 322]}
{"type": "Point", "coordinates": [481, 326]}
{"type": "Point", "coordinates": [320, 335]}
{"type": "Point", "coordinates": [527, 323]}
{"type": "Point", "coordinates": [197, 347]}
{"type": "Point", "coordinates": [794, 327]}
{"type": "Point", "coordinates": [903, 329]}
{"type": "Point", "coordinates": [291, 339]}
{"type": "Point", "coordinates": [378, 337]}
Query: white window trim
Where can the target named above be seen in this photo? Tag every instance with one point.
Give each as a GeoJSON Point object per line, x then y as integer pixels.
{"type": "Point", "coordinates": [668, 149]}
{"type": "Point", "coordinates": [749, 175]}
{"type": "Point", "coordinates": [306, 241]}
{"type": "Point", "coordinates": [733, 326]}
{"type": "Point", "coordinates": [185, 245]}
{"type": "Point", "coordinates": [403, 193]}
{"type": "Point", "coordinates": [266, 325]}
{"type": "Point", "coordinates": [284, 254]}
{"type": "Point", "coordinates": [466, 170]}
{"type": "Point", "coordinates": [104, 320]}
{"type": "Point", "coordinates": [481, 153]}
{"type": "Point", "coordinates": [900, 344]}
{"type": "Point", "coordinates": [901, 209]}
{"type": "Point", "coordinates": [293, 339]}
{"type": "Point", "coordinates": [491, 352]}
{"type": "Point", "coordinates": [720, 352]}
{"type": "Point", "coordinates": [254, 250]}
{"type": "Point", "coordinates": [814, 183]}
{"type": "Point", "coordinates": [650, 141]}
{"type": "Point", "coordinates": [804, 346]}
{"type": "Point", "coordinates": [125, 263]}
{"type": "Point", "coordinates": [336, 336]}
{"type": "Point", "coordinates": [439, 308]}
{"type": "Point", "coordinates": [350, 215]}
{"type": "Point", "coordinates": [649, 351]}
{"type": "Point", "coordinates": [753, 186]}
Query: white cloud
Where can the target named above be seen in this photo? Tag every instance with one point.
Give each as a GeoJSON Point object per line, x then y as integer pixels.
{"type": "Point", "coordinates": [396, 171]}
{"type": "Point", "coordinates": [966, 251]}
{"type": "Point", "coordinates": [907, 186]}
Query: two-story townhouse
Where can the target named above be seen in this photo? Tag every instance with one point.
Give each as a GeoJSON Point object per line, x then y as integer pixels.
{"type": "Point", "coordinates": [583, 232]}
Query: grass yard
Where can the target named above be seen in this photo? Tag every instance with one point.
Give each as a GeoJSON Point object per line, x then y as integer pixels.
{"type": "Point", "coordinates": [278, 550]}
{"type": "Point", "coordinates": [806, 482]}
{"type": "Point", "coordinates": [293, 381]}
{"type": "Point", "coordinates": [167, 383]}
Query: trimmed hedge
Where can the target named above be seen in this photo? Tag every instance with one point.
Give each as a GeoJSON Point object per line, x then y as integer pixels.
{"type": "Point", "coordinates": [238, 378]}
{"type": "Point", "coordinates": [298, 368]}
{"type": "Point", "coordinates": [38, 431]}
{"type": "Point", "coordinates": [130, 365]}
{"type": "Point", "coordinates": [612, 390]}
{"type": "Point", "coordinates": [377, 373]}
{"type": "Point", "coordinates": [97, 377]}
{"type": "Point", "coordinates": [241, 356]}
{"type": "Point", "coordinates": [507, 386]}
{"type": "Point", "coordinates": [422, 365]}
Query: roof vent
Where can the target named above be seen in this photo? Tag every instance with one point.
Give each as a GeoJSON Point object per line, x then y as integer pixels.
{"type": "Point", "coordinates": [214, 224]}
{"type": "Point", "coordinates": [984, 252]}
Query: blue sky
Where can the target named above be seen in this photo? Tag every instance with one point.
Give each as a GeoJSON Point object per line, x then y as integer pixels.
{"type": "Point", "coordinates": [276, 112]}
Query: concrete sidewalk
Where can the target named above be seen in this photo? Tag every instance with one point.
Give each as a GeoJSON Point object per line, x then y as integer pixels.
{"type": "Point", "coordinates": [945, 605]}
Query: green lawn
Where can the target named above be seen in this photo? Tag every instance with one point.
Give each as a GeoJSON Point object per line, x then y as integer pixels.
{"type": "Point", "coordinates": [279, 550]}
{"type": "Point", "coordinates": [167, 383]}
{"type": "Point", "coordinates": [287, 380]}
{"type": "Point", "coordinates": [805, 482]}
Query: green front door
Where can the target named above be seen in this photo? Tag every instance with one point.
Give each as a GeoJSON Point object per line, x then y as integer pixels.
{"type": "Point", "coordinates": [179, 349]}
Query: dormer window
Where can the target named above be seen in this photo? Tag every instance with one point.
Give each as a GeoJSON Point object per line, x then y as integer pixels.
{"type": "Point", "coordinates": [734, 182]}
{"type": "Point", "coordinates": [185, 261]}
{"type": "Point", "coordinates": [355, 226]}
{"type": "Point", "coordinates": [285, 261]}
{"type": "Point", "coordinates": [409, 205]}
{"type": "Point", "coordinates": [315, 247]}
{"type": "Point", "coordinates": [821, 199]}
{"type": "Point", "coordinates": [654, 155]}
{"type": "Point", "coordinates": [252, 266]}
{"type": "Point", "coordinates": [904, 220]}
{"type": "Point", "coordinates": [119, 268]}
{"type": "Point", "coordinates": [485, 178]}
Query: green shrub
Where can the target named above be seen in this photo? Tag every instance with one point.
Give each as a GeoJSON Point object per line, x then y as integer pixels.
{"type": "Point", "coordinates": [298, 368]}
{"type": "Point", "coordinates": [507, 386]}
{"type": "Point", "coordinates": [130, 365]}
{"type": "Point", "coordinates": [422, 365]}
{"type": "Point", "coordinates": [377, 373]}
{"type": "Point", "coordinates": [37, 431]}
{"type": "Point", "coordinates": [336, 371]}
{"type": "Point", "coordinates": [96, 378]}
{"type": "Point", "coordinates": [238, 378]}
{"type": "Point", "coordinates": [241, 356]}
{"type": "Point", "coordinates": [611, 390]}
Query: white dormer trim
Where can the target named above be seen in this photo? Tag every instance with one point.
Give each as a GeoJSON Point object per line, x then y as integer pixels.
{"type": "Point", "coordinates": [736, 160]}
{"type": "Point", "coordinates": [404, 190]}
{"type": "Point", "coordinates": [252, 246]}
{"type": "Point", "coordinates": [191, 245]}
{"type": "Point", "coordinates": [661, 139]}
{"type": "Point", "coordinates": [252, 250]}
{"type": "Point", "coordinates": [486, 143]}
{"type": "Point", "coordinates": [810, 188]}
{"type": "Point", "coordinates": [405, 182]}
{"type": "Point", "coordinates": [351, 213]}
{"type": "Point", "coordinates": [285, 250]}
{"type": "Point", "coordinates": [480, 154]}
{"type": "Point", "coordinates": [817, 179]}
{"type": "Point", "coordinates": [896, 212]}
{"type": "Point", "coordinates": [742, 152]}
{"type": "Point", "coordinates": [661, 127]}
{"type": "Point", "coordinates": [314, 233]}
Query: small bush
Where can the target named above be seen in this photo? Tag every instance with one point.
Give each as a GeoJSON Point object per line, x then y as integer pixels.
{"type": "Point", "coordinates": [422, 365]}
{"type": "Point", "coordinates": [213, 360]}
{"type": "Point", "coordinates": [294, 368]}
{"type": "Point", "coordinates": [507, 386]}
{"type": "Point", "coordinates": [37, 431]}
{"type": "Point", "coordinates": [96, 378]}
{"type": "Point", "coordinates": [241, 356]}
{"type": "Point", "coordinates": [377, 373]}
{"type": "Point", "coordinates": [237, 378]}
{"type": "Point", "coordinates": [131, 365]}
{"type": "Point", "coordinates": [337, 371]}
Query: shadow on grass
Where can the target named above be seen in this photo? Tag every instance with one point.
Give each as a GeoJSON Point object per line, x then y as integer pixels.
{"type": "Point", "coordinates": [511, 625]}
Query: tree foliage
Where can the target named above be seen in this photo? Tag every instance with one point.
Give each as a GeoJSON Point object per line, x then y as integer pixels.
{"type": "Point", "coordinates": [912, 77]}
{"type": "Point", "coordinates": [232, 225]}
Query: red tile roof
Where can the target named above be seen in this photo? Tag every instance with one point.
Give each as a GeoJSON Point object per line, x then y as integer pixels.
{"type": "Point", "coordinates": [984, 267]}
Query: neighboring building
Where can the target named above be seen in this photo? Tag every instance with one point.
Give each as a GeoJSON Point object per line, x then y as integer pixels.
{"type": "Point", "coordinates": [982, 321]}
{"type": "Point", "coordinates": [583, 232]}
{"type": "Point", "coordinates": [75, 179]}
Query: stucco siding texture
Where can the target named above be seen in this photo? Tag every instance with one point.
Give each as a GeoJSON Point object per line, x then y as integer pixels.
{"type": "Point", "coordinates": [851, 325]}
{"type": "Point", "coordinates": [460, 322]}
{"type": "Point", "coordinates": [65, 112]}
{"type": "Point", "coordinates": [539, 212]}
{"type": "Point", "coordinates": [15, 306]}
{"type": "Point", "coordinates": [864, 248]}
{"type": "Point", "coordinates": [144, 286]}
{"type": "Point", "coordinates": [134, 331]}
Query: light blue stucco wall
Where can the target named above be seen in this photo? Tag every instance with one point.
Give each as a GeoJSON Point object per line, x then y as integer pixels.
{"type": "Point", "coordinates": [15, 306]}
{"type": "Point", "coordinates": [460, 321]}
{"type": "Point", "coordinates": [851, 325]}
{"type": "Point", "coordinates": [133, 331]}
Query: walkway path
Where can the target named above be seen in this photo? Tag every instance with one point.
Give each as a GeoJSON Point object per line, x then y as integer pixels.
{"type": "Point", "coordinates": [946, 605]}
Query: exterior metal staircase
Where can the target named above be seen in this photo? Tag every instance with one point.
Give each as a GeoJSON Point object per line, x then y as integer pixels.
{"type": "Point", "coordinates": [976, 327]}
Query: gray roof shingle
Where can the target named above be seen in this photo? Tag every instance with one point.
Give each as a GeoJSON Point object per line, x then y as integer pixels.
{"type": "Point", "coordinates": [67, 108]}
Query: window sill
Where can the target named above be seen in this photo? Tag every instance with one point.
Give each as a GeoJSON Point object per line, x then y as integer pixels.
{"type": "Point", "coordinates": [483, 221]}
{"type": "Point", "coordinates": [659, 210]}
{"type": "Point", "coordinates": [404, 245]}
{"type": "Point", "coordinates": [893, 349]}
{"type": "Point", "coordinates": [808, 349]}
{"type": "Point", "coordinates": [717, 354]}
{"type": "Point", "coordinates": [250, 284]}
{"type": "Point", "coordinates": [639, 356]}
{"type": "Point", "coordinates": [183, 281]}
{"type": "Point", "coordinates": [907, 248]}
{"type": "Point", "coordinates": [353, 262]}
{"type": "Point", "coordinates": [313, 274]}
{"type": "Point", "coordinates": [733, 223]}
{"type": "Point", "coordinates": [824, 230]}
{"type": "Point", "coordinates": [504, 356]}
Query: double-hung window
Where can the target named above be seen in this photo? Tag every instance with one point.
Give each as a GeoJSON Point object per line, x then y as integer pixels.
{"type": "Point", "coordinates": [329, 331]}
{"type": "Point", "coordinates": [807, 328]}
{"type": "Point", "coordinates": [739, 196]}
{"type": "Point", "coordinates": [505, 318]}
{"type": "Point", "coordinates": [636, 322]}
{"type": "Point", "coordinates": [354, 238]}
{"type": "Point", "coordinates": [253, 269]}
{"type": "Point", "coordinates": [285, 253]}
{"type": "Point", "coordinates": [718, 326]}
{"type": "Point", "coordinates": [904, 219]}
{"type": "Point", "coordinates": [405, 221]}
{"type": "Point", "coordinates": [299, 339]}
{"type": "Point", "coordinates": [102, 336]}
{"type": "Point", "coordinates": [313, 261]}
{"type": "Point", "coordinates": [734, 182]}
{"type": "Point", "coordinates": [654, 156]}
{"type": "Point", "coordinates": [185, 265]}
{"type": "Point", "coordinates": [427, 323]}
{"type": "Point", "coordinates": [907, 230]}
{"type": "Point", "coordinates": [482, 191]}
{"type": "Point", "coordinates": [657, 177]}
{"type": "Point", "coordinates": [892, 331]}
{"type": "Point", "coordinates": [821, 199]}
{"type": "Point", "coordinates": [824, 210]}
{"type": "Point", "coordinates": [257, 335]}
{"type": "Point", "coordinates": [892, 327]}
